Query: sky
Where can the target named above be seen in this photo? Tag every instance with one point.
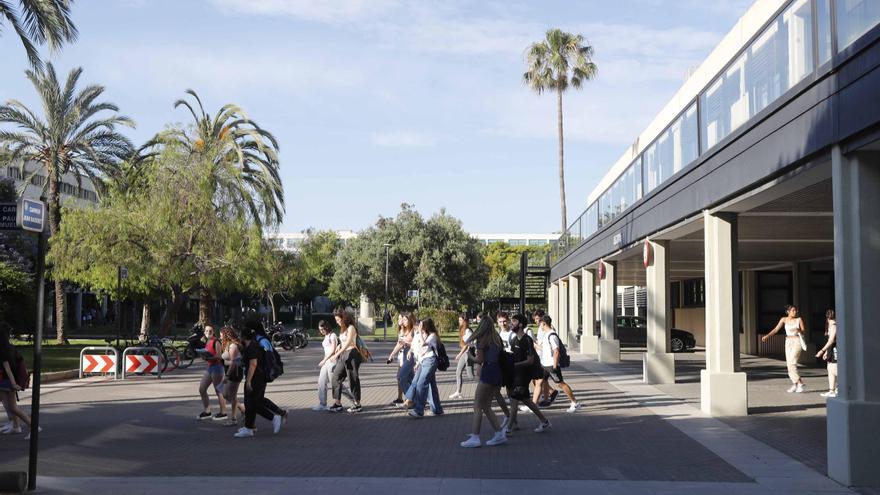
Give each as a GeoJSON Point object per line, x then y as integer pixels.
{"type": "Point", "coordinates": [381, 102]}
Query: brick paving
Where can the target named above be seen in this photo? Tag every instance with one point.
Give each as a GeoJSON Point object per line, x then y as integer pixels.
{"type": "Point", "coordinates": [146, 427]}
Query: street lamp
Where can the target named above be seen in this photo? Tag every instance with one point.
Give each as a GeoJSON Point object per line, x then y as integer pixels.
{"type": "Point", "coordinates": [385, 313]}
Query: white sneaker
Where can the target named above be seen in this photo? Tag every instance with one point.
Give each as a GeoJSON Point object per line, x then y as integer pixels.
{"type": "Point", "coordinates": [12, 430]}
{"type": "Point", "coordinates": [456, 395]}
{"type": "Point", "coordinates": [319, 407]}
{"type": "Point", "coordinates": [28, 436]}
{"type": "Point", "coordinates": [5, 427]}
{"type": "Point", "coordinates": [829, 393]}
{"type": "Point", "coordinates": [792, 389]}
{"type": "Point", "coordinates": [505, 423]}
{"type": "Point", "coordinates": [244, 432]}
{"type": "Point", "coordinates": [543, 427]}
{"type": "Point", "coordinates": [472, 442]}
{"type": "Point", "coordinates": [800, 388]}
{"type": "Point", "coordinates": [276, 423]}
{"type": "Point", "coordinates": [499, 438]}
{"type": "Point", "coordinates": [573, 407]}
{"type": "Point", "coordinates": [524, 409]}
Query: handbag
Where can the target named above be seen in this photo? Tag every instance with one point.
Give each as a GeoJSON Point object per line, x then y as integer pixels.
{"type": "Point", "coordinates": [803, 342]}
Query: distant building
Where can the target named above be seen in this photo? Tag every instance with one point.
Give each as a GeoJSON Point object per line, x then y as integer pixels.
{"type": "Point", "coordinates": [290, 241]}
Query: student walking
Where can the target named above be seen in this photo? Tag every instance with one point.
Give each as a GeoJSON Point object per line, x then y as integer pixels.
{"type": "Point", "coordinates": [426, 376]}
{"type": "Point", "coordinates": [489, 349]}
{"type": "Point", "coordinates": [12, 381]}
{"type": "Point", "coordinates": [266, 343]}
{"type": "Point", "coordinates": [326, 365]}
{"type": "Point", "coordinates": [254, 359]}
{"type": "Point", "coordinates": [794, 345]}
{"type": "Point", "coordinates": [548, 348]}
{"type": "Point", "coordinates": [526, 367]}
{"type": "Point", "coordinates": [348, 362]}
{"type": "Point", "coordinates": [406, 325]}
{"type": "Point", "coordinates": [829, 353]}
{"type": "Point", "coordinates": [464, 358]}
{"type": "Point", "coordinates": [234, 374]}
{"type": "Point", "coordinates": [506, 362]}
{"type": "Point", "coordinates": [213, 375]}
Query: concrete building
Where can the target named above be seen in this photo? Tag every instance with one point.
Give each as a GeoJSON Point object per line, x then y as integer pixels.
{"type": "Point", "coordinates": [291, 240]}
{"type": "Point", "coordinates": [756, 186]}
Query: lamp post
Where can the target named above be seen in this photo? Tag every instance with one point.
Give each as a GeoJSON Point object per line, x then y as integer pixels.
{"type": "Point", "coordinates": [385, 313]}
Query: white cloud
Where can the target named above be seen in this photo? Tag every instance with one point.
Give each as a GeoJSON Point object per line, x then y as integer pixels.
{"type": "Point", "coordinates": [310, 10]}
{"type": "Point", "coordinates": [404, 139]}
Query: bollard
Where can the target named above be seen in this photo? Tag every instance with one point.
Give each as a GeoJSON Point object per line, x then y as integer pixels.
{"type": "Point", "coordinates": [13, 481]}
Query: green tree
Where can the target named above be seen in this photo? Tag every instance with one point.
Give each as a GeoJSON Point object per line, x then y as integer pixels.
{"type": "Point", "coordinates": [316, 260]}
{"type": "Point", "coordinates": [555, 63]}
{"type": "Point", "coordinates": [39, 22]}
{"type": "Point", "coordinates": [77, 136]}
{"type": "Point", "coordinates": [503, 262]}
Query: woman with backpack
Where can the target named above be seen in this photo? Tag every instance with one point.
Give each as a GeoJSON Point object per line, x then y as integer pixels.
{"type": "Point", "coordinates": [489, 349]}
{"type": "Point", "coordinates": [464, 357]}
{"type": "Point", "coordinates": [348, 362]}
{"type": "Point", "coordinates": [213, 375]}
{"type": "Point", "coordinates": [12, 381]}
{"type": "Point", "coordinates": [234, 372]}
{"type": "Point", "coordinates": [254, 360]}
{"type": "Point", "coordinates": [426, 374]}
{"type": "Point", "coordinates": [527, 367]}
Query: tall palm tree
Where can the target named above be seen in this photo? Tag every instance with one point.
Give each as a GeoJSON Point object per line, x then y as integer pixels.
{"type": "Point", "coordinates": [39, 22]}
{"type": "Point", "coordinates": [245, 167]}
{"type": "Point", "coordinates": [553, 64]}
{"type": "Point", "coordinates": [71, 138]}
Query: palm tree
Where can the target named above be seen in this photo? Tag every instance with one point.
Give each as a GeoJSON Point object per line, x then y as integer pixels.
{"type": "Point", "coordinates": [71, 138]}
{"type": "Point", "coordinates": [245, 167]}
{"type": "Point", "coordinates": [40, 22]}
{"type": "Point", "coordinates": [559, 61]}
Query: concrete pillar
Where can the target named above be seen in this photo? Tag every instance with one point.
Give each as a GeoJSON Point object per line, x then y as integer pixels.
{"type": "Point", "coordinates": [589, 342]}
{"type": "Point", "coordinates": [552, 299]}
{"type": "Point", "coordinates": [78, 308]}
{"type": "Point", "coordinates": [609, 347]}
{"type": "Point", "coordinates": [104, 302]}
{"type": "Point", "coordinates": [574, 309]}
{"type": "Point", "coordinates": [749, 337]}
{"type": "Point", "coordinates": [723, 390]}
{"type": "Point", "coordinates": [853, 428]}
{"type": "Point", "coordinates": [659, 363]}
{"type": "Point", "coordinates": [366, 320]}
{"type": "Point", "coordinates": [561, 323]}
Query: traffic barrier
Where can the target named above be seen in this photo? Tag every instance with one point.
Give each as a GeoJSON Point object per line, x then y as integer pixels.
{"type": "Point", "coordinates": [93, 364]}
{"type": "Point", "coordinates": [142, 362]}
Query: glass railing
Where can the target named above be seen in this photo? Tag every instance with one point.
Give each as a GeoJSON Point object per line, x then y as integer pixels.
{"type": "Point", "coordinates": [783, 54]}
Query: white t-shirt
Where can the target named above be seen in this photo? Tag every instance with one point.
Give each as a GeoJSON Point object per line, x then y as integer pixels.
{"type": "Point", "coordinates": [330, 341]}
{"type": "Point", "coordinates": [505, 340]}
{"type": "Point", "coordinates": [468, 333]}
{"type": "Point", "coordinates": [417, 348]}
{"type": "Point", "coordinates": [549, 342]}
{"type": "Point", "coordinates": [431, 347]}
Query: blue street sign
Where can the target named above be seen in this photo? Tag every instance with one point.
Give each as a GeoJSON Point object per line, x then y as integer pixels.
{"type": "Point", "coordinates": [33, 215]}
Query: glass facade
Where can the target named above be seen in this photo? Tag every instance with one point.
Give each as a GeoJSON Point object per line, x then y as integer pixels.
{"type": "Point", "coordinates": [781, 56]}
{"type": "Point", "coordinates": [517, 242]}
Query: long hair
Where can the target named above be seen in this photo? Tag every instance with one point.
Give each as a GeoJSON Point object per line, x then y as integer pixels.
{"type": "Point", "coordinates": [429, 328]}
{"type": "Point", "coordinates": [228, 336]}
{"type": "Point", "coordinates": [829, 317]}
{"type": "Point", "coordinates": [347, 319]}
{"type": "Point", "coordinates": [410, 321]}
{"type": "Point", "coordinates": [486, 334]}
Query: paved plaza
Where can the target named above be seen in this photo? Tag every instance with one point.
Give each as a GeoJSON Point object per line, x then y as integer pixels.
{"type": "Point", "coordinates": [140, 436]}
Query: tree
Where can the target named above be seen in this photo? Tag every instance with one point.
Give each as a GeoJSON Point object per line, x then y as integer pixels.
{"type": "Point", "coordinates": [70, 139]}
{"type": "Point", "coordinates": [503, 262]}
{"type": "Point", "coordinates": [39, 22]}
{"type": "Point", "coordinates": [243, 167]}
{"type": "Point", "coordinates": [316, 260]}
{"type": "Point", "coordinates": [559, 61]}
{"type": "Point", "coordinates": [16, 252]}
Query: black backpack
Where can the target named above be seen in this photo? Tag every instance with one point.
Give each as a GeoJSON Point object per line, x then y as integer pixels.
{"type": "Point", "coordinates": [564, 358]}
{"type": "Point", "coordinates": [272, 365]}
{"type": "Point", "coordinates": [442, 357]}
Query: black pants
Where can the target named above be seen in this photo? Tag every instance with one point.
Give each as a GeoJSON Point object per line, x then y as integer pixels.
{"type": "Point", "coordinates": [255, 403]}
{"type": "Point", "coordinates": [348, 365]}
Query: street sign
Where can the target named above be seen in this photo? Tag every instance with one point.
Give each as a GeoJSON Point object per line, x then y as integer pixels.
{"type": "Point", "coordinates": [123, 272]}
{"type": "Point", "coordinates": [33, 215]}
{"type": "Point", "coordinates": [412, 293]}
{"type": "Point", "coordinates": [8, 216]}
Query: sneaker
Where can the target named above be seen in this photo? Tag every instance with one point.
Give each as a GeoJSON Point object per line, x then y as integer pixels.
{"type": "Point", "coordinates": [6, 427]}
{"type": "Point", "coordinates": [543, 404]}
{"type": "Point", "coordinates": [319, 407]}
{"type": "Point", "coordinates": [573, 407]}
{"type": "Point", "coordinates": [456, 395]}
{"type": "Point", "coordinates": [28, 436]}
{"type": "Point", "coordinates": [284, 416]}
{"type": "Point", "coordinates": [473, 441]}
{"type": "Point", "coordinates": [829, 393]}
{"type": "Point", "coordinates": [524, 409]}
{"type": "Point", "coordinates": [276, 424]}
{"type": "Point", "coordinates": [414, 414]}
{"type": "Point", "coordinates": [355, 408]}
{"type": "Point", "coordinates": [505, 423]}
{"type": "Point", "coordinates": [219, 417]}
{"type": "Point", "coordinates": [792, 389]}
{"type": "Point", "coordinates": [800, 388]}
{"type": "Point", "coordinates": [244, 433]}
{"type": "Point", "coordinates": [396, 402]}
{"type": "Point", "coordinates": [12, 430]}
{"type": "Point", "coordinates": [499, 438]}
{"type": "Point", "coordinates": [543, 427]}
{"type": "Point", "coordinates": [231, 422]}
{"type": "Point", "coordinates": [335, 408]}
{"type": "Point", "coordinates": [203, 416]}
{"type": "Point", "coordinates": [553, 395]}
{"type": "Point", "coordinates": [511, 427]}
{"type": "Point", "coordinates": [407, 404]}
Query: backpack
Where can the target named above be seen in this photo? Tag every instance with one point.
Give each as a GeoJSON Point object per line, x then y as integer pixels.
{"type": "Point", "coordinates": [363, 350]}
{"type": "Point", "coordinates": [442, 357]}
{"type": "Point", "coordinates": [272, 365]}
{"type": "Point", "coordinates": [22, 378]}
{"type": "Point", "coordinates": [564, 358]}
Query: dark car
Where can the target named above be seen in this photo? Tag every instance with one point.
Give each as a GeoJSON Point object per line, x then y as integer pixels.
{"type": "Point", "coordinates": [633, 331]}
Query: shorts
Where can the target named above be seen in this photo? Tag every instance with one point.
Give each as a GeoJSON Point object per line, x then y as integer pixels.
{"type": "Point", "coordinates": [554, 374]}
{"type": "Point", "coordinates": [230, 390]}
{"type": "Point", "coordinates": [216, 368]}
{"type": "Point", "coordinates": [6, 385]}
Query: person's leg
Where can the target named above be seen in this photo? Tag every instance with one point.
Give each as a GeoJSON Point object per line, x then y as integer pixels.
{"type": "Point", "coordinates": [250, 408]}
{"type": "Point", "coordinates": [203, 391]}
{"type": "Point", "coordinates": [323, 381]}
{"type": "Point", "coordinates": [482, 395]}
{"type": "Point", "coordinates": [832, 377]}
{"type": "Point", "coordinates": [434, 396]}
{"type": "Point", "coordinates": [791, 356]}
{"type": "Point", "coordinates": [406, 377]}
{"type": "Point", "coordinates": [535, 409]}
{"type": "Point", "coordinates": [489, 412]}
{"type": "Point", "coordinates": [8, 399]}
{"type": "Point", "coordinates": [539, 387]}
{"type": "Point", "coordinates": [353, 365]}
{"type": "Point", "coordinates": [420, 389]}
{"type": "Point", "coordinates": [338, 376]}
{"type": "Point", "coordinates": [459, 372]}
{"type": "Point", "coordinates": [217, 380]}
{"type": "Point", "coordinates": [514, 409]}
{"type": "Point", "coordinates": [260, 401]}
{"type": "Point", "coordinates": [499, 398]}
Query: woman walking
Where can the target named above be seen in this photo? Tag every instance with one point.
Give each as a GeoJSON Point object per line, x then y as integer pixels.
{"type": "Point", "coordinates": [794, 331]}
{"type": "Point", "coordinates": [348, 362]}
{"type": "Point", "coordinates": [426, 377]}
{"type": "Point", "coordinates": [10, 385]}
{"type": "Point", "coordinates": [406, 325]}
{"type": "Point", "coordinates": [489, 348]}
{"type": "Point", "coordinates": [829, 353]}
{"type": "Point", "coordinates": [254, 357]}
{"type": "Point", "coordinates": [213, 375]}
{"type": "Point", "coordinates": [325, 376]}
{"type": "Point", "coordinates": [464, 357]}
{"type": "Point", "coordinates": [234, 373]}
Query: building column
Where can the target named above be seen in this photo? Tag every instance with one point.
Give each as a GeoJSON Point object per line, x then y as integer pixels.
{"type": "Point", "coordinates": [561, 323]}
{"type": "Point", "coordinates": [589, 342]}
{"type": "Point", "coordinates": [552, 298]}
{"type": "Point", "coordinates": [574, 309]}
{"type": "Point", "coordinates": [609, 347]}
{"type": "Point", "coordinates": [659, 364]}
{"type": "Point", "coordinates": [366, 320]}
{"type": "Point", "coordinates": [723, 390]}
{"type": "Point", "coordinates": [853, 428]}
{"type": "Point", "coordinates": [749, 337]}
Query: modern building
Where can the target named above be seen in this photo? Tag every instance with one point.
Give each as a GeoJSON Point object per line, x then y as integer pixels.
{"type": "Point", "coordinates": [291, 240]}
{"type": "Point", "coordinates": [756, 186]}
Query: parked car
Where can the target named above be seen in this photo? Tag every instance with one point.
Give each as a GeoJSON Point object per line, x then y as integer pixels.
{"type": "Point", "coordinates": [633, 331]}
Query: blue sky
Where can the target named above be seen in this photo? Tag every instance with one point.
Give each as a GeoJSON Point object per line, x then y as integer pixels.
{"type": "Point", "coordinates": [380, 102]}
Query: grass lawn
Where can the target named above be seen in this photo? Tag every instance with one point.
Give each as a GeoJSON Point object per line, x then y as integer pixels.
{"type": "Point", "coordinates": [57, 357]}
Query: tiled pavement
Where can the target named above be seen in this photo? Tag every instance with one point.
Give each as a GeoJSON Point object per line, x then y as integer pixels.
{"type": "Point", "coordinates": [140, 435]}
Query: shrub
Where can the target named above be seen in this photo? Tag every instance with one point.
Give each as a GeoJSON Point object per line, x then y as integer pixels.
{"type": "Point", "coordinates": [445, 319]}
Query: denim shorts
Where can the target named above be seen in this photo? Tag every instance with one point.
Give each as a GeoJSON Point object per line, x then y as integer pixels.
{"type": "Point", "coordinates": [216, 368]}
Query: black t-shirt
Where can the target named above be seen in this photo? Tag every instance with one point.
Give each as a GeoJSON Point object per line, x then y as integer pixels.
{"type": "Point", "coordinates": [7, 353]}
{"type": "Point", "coordinates": [254, 351]}
{"type": "Point", "coordinates": [522, 349]}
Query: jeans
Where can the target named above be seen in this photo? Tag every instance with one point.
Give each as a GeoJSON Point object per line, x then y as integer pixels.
{"type": "Point", "coordinates": [426, 387]}
{"type": "Point", "coordinates": [405, 373]}
{"type": "Point", "coordinates": [347, 365]}
{"type": "Point", "coordinates": [325, 378]}
{"type": "Point", "coordinates": [460, 369]}
{"type": "Point", "coordinates": [256, 403]}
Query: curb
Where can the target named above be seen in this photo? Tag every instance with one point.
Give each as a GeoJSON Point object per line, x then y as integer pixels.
{"type": "Point", "coordinates": [58, 376]}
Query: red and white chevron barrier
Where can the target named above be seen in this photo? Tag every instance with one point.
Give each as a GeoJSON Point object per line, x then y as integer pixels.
{"type": "Point", "coordinates": [98, 363]}
{"type": "Point", "coordinates": [141, 363]}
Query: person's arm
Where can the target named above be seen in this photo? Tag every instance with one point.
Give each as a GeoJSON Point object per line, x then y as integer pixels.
{"type": "Point", "coordinates": [8, 372]}
{"type": "Point", "coordinates": [556, 353]}
{"type": "Point", "coordinates": [832, 338]}
{"type": "Point", "coordinates": [480, 356]}
{"type": "Point", "coordinates": [395, 350]}
{"type": "Point", "coordinates": [801, 327]}
{"type": "Point", "coordinates": [252, 368]}
{"type": "Point", "coordinates": [774, 331]}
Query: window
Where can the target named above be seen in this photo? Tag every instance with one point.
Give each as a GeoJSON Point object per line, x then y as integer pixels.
{"type": "Point", "coordinates": [537, 242]}
{"type": "Point", "coordinates": [779, 58]}
{"type": "Point", "coordinates": [517, 242]}
{"type": "Point", "coordinates": [855, 18]}
{"type": "Point", "coordinates": [493, 241]}
{"type": "Point", "coordinates": [625, 191]}
{"type": "Point", "coordinates": [694, 293]}
{"type": "Point", "coordinates": [675, 294]}
{"type": "Point", "coordinates": [823, 20]}
{"type": "Point", "coordinates": [673, 150]}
